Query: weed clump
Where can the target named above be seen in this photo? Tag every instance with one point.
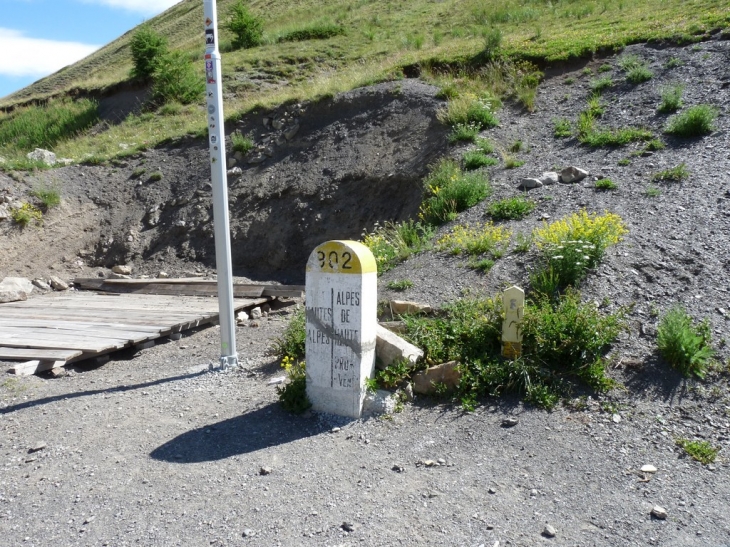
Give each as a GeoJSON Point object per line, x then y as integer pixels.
{"type": "Point", "coordinates": [49, 196]}
{"type": "Point", "coordinates": [319, 30]}
{"type": "Point", "coordinates": [701, 451]}
{"type": "Point", "coordinates": [562, 128]}
{"type": "Point", "coordinates": [694, 122]}
{"type": "Point", "coordinates": [393, 243]}
{"type": "Point", "coordinates": [606, 184]}
{"type": "Point", "coordinates": [674, 174]}
{"type": "Point", "coordinates": [293, 395]}
{"type": "Point", "coordinates": [400, 285]}
{"type": "Point", "coordinates": [467, 240]}
{"type": "Point", "coordinates": [474, 159]}
{"type": "Point", "coordinates": [449, 191]}
{"type": "Point", "coordinates": [25, 214]}
{"type": "Point", "coordinates": [241, 143]}
{"type": "Point", "coordinates": [683, 344]}
{"type": "Point", "coordinates": [671, 99]}
{"type": "Point", "coordinates": [292, 341]}
{"type": "Point", "coordinates": [515, 208]}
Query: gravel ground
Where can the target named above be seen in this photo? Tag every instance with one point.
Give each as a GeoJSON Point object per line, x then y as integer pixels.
{"type": "Point", "coordinates": [154, 449]}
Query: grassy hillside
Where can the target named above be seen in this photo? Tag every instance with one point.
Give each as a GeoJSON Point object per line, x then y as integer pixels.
{"type": "Point", "coordinates": [377, 39]}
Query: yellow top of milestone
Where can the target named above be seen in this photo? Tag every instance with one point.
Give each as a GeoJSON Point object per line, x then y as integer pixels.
{"type": "Point", "coordinates": [342, 257]}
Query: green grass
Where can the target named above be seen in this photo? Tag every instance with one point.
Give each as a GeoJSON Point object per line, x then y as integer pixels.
{"type": "Point", "coordinates": [515, 208]}
{"type": "Point", "coordinates": [686, 346]}
{"type": "Point", "coordinates": [392, 243]}
{"type": "Point", "coordinates": [652, 192]}
{"type": "Point", "coordinates": [449, 191]}
{"type": "Point", "coordinates": [464, 132]}
{"type": "Point", "coordinates": [474, 159]}
{"type": "Point", "coordinates": [48, 195]}
{"type": "Point", "coordinates": [400, 285]}
{"type": "Point", "coordinates": [696, 121]}
{"type": "Point", "coordinates": [292, 341]}
{"type": "Point", "coordinates": [623, 162]}
{"type": "Point", "coordinates": [673, 174]}
{"type": "Point", "coordinates": [601, 84]}
{"type": "Point", "coordinates": [241, 143]}
{"type": "Point", "coordinates": [673, 62]}
{"type": "Point", "coordinates": [316, 30]}
{"type": "Point", "coordinates": [370, 50]}
{"type": "Point", "coordinates": [636, 69]}
{"type": "Point", "coordinates": [25, 214]}
{"type": "Point", "coordinates": [510, 162]}
{"type": "Point", "coordinates": [562, 128]}
{"type": "Point", "coordinates": [671, 99]}
{"type": "Point", "coordinates": [475, 240]}
{"type": "Point", "coordinates": [606, 184]}
{"type": "Point", "coordinates": [701, 451]}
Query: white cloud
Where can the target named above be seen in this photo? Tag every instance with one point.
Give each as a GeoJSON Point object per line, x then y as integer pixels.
{"type": "Point", "coordinates": [148, 7]}
{"type": "Point", "coordinates": [37, 57]}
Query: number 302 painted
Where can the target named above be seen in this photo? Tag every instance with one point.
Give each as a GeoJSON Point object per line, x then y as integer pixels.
{"type": "Point", "coordinates": [333, 259]}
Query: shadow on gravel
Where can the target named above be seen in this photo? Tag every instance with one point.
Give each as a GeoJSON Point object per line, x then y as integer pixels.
{"type": "Point", "coordinates": [67, 396]}
{"type": "Point", "coordinates": [261, 428]}
{"type": "Point", "coordinates": [656, 379]}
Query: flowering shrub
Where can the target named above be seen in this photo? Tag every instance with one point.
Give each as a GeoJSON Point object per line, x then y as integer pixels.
{"type": "Point", "coordinates": [488, 239]}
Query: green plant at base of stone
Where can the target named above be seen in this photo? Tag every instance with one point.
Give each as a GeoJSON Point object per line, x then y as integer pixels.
{"type": "Point", "coordinates": [247, 29]}
{"type": "Point", "coordinates": [400, 285]}
{"type": "Point", "coordinates": [562, 128]}
{"type": "Point", "coordinates": [241, 143]}
{"type": "Point", "coordinates": [671, 100]}
{"type": "Point", "coordinates": [515, 208]}
{"type": "Point", "coordinates": [448, 191]}
{"type": "Point", "coordinates": [474, 159]}
{"type": "Point", "coordinates": [674, 174]}
{"type": "Point", "coordinates": [291, 344]}
{"type": "Point", "coordinates": [293, 395]}
{"type": "Point", "coordinates": [25, 214]}
{"type": "Point", "coordinates": [684, 345]}
{"type": "Point", "coordinates": [468, 240]}
{"type": "Point", "coordinates": [694, 122]}
{"type": "Point", "coordinates": [606, 184]}
{"type": "Point", "coordinates": [393, 243]}
{"type": "Point", "coordinates": [392, 375]}
{"type": "Point", "coordinates": [49, 196]}
{"type": "Point", "coordinates": [702, 451]}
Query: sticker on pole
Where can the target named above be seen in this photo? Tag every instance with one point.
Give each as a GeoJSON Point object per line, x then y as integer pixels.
{"type": "Point", "coordinates": [209, 37]}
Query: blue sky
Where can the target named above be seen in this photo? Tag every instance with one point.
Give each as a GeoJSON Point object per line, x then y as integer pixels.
{"type": "Point", "coordinates": [38, 37]}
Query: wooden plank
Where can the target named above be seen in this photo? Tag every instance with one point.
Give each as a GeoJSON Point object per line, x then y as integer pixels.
{"type": "Point", "coordinates": [31, 333]}
{"type": "Point", "coordinates": [162, 286]}
{"type": "Point", "coordinates": [80, 325]}
{"type": "Point", "coordinates": [291, 291]}
{"type": "Point", "coordinates": [42, 354]}
{"type": "Point", "coordinates": [89, 346]}
{"type": "Point", "coordinates": [33, 367]}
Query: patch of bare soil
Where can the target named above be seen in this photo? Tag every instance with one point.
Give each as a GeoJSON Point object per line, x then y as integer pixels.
{"type": "Point", "coordinates": [151, 449]}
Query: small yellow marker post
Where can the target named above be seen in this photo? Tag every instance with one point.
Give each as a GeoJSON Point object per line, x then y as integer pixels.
{"type": "Point", "coordinates": [513, 300]}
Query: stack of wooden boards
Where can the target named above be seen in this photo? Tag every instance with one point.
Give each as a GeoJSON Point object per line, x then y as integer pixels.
{"type": "Point", "coordinates": [55, 329]}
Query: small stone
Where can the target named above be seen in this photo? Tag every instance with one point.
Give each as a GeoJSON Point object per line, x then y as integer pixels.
{"type": "Point", "coordinates": [659, 512]}
{"type": "Point", "coordinates": [492, 491]}
{"type": "Point", "coordinates": [163, 275]}
{"type": "Point", "coordinates": [549, 177]}
{"type": "Point", "coordinates": [58, 284]}
{"type": "Point", "coordinates": [37, 447]}
{"type": "Point", "coordinates": [348, 526]}
{"type": "Point", "coordinates": [43, 156]}
{"type": "Point", "coordinates": [429, 463]}
{"type": "Point", "coordinates": [402, 307]}
{"type": "Point", "coordinates": [616, 418]}
{"type": "Point", "coordinates": [529, 184]}
{"type": "Point", "coordinates": [441, 461]}
{"type": "Point", "coordinates": [289, 133]}
{"type": "Point", "coordinates": [573, 174]}
{"type": "Point", "coordinates": [235, 171]}
{"type": "Point", "coordinates": [247, 533]}
{"type": "Point", "coordinates": [241, 317]}
{"type": "Point", "coordinates": [648, 468]}
{"type": "Point", "coordinates": [122, 269]}
{"type": "Point", "coordinates": [533, 493]}
{"type": "Point", "coordinates": [398, 468]}
{"type": "Point", "coordinates": [510, 422]}
{"type": "Point", "coordinates": [89, 520]}
{"type": "Point", "coordinates": [265, 471]}
{"type": "Point", "coordinates": [256, 313]}
{"type": "Point", "coordinates": [335, 430]}
{"type": "Point", "coordinates": [549, 531]}
{"type": "Point", "coordinates": [42, 285]}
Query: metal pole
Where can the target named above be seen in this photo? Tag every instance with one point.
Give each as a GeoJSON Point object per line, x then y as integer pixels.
{"type": "Point", "coordinates": [216, 137]}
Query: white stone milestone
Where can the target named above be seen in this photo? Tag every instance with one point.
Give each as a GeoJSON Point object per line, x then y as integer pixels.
{"type": "Point", "coordinates": [341, 309]}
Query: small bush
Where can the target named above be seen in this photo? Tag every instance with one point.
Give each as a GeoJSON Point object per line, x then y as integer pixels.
{"type": "Point", "coordinates": [247, 29]}
{"type": "Point", "coordinates": [156, 176]}
{"type": "Point", "coordinates": [393, 243]}
{"type": "Point", "coordinates": [467, 240]}
{"type": "Point", "coordinates": [319, 30]}
{"type": "Point", "coordinates": [623, 162]}
{"type": "Point", "coordinates": [684, 345]}
{"type": "Point", "coordinates": [485, 146]}
{"type": "Point", "coordinates": [492, 42]}
{"type": "Point", "coordinates": [241, 143]}
{"type": "Point", "coordinates": [392, 375]}
{"type": "Point", "coordinates": [291, 344]}
{"type": "Point", "coordinates": [449, 191]}
{"type": "Point", "coordinates": [653, 145]}
{"type": "Point", "coordinates": [671, 100]}
{"type": "Point", "coordinates": [639, 75]}
{"type": "Point", "coordinates": [515, 208]}
{"type": "Point", "coordinates": [175, 80]}
{"type": "Point", "coordinates": [400, 285]}
{"type": "Point", "coordinates": [702, 451]}
{"type": "Point", "coordinates": [293, 395]}
{"type": "Point", "coordinates": [468, 109]}
{"type": "Point", "coordinates": [606, 184]}
{"type": "Point", "coordinates": [148, 47]}
{"type": "Point", "coordinates": [464, 132]}
{"type": "Point", "coordinates": [49, 196]}
{"type": "Point", "coordinates": [675, 174]}
{"type": "Point", "coordinates": [595, 107]}
{"type": "Point", "coordinates": [25, 214]}
{"type": "Point", "coordinates": [694, 122]}
{"type": "Point", "coordinates": [562, 128]}
{"type": "Point", "coordinates": [474, 159]}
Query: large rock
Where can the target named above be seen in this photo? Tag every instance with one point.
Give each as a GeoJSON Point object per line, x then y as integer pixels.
{"type": "Point", "coordinates": [573, 174]}
{"type": "Point", "coordinates": [425, 382]}
{"type": "Point", "coordinates": [44, 156]}
{"type": "Point", "coordinates": [11, 295]}
{"type": "Point", "coordinates": [402, 307]}
{"type": "Point", "coordinates": [17, 284]}
{"type": "Point", "coordinates": [390, 347]}
{"type": "Point", "coordinates": [549, 177]}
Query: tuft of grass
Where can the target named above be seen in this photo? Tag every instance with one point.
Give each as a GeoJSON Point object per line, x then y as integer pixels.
{"type": "Point", "coordinates": [606, 184]}
{"type": "Point", "coordinates": [523, 243]}
{"type": "Point", "coordinates": [156, 176]}
{"type": "Point", "coordinates": [673, 62]}
{"type": "Point", "coordinates": [293, 395]}
{"type": "Point", "coordinates": [653, 145]}
{"type": "Point", "coordinates": [605, 68]}
{"type": "Point", "coordinates": [516, 146]}
{"type": "Point", "coordinates": [241, 143]}
{"type": "Point", "coordinates": [686, 346]}
{"type": "Point", "coordinates": [514, 208]}
{"type": "Point", "coordinates": [474, 159]}
{"type": "Point", "coordinates": [49, 196]}
{"type": "Point", "coordinates": [671, 99]}
{"type": "Point", "coordinates": [291, 343]}
{"type": "Point", "coordinates": [637, 71]}
{"type": "Point", "coordinates": [317, 30]}
{"type": "Point", "coordinates": [601, 84]}
{"type": "Point", "coordinates": [483, 240]}
{"type": "Point", "coordinates": [510, 162]}
{"type": "Point", "coordinates": [464, 132]}
{"type": "Point", "coordinates": [624, 162]}
{"type": "Point", "coordinates": [400, 285]}
{"type": "Point", "coordinates": [694, 122]}
{"type": "Point", "coordinates": [448, 191]}
{"type": "Point", "coordinates": [673, 174]}
{"type": "Point", "coordinates": [589, 135]}
{"type": "Point", "coordinates": [392, 243]}
{"type": "Point", "coordinates": [485, 146]}
{"type": "Point", "coordinates": [701, 451]}
{"type": "Point", "coordinates": [652, 192]}
{"type": "Point", "coordinates": [469, 110]}
{"type": "Point", "coordinates": [25, 214]}
{"type": "Point", "coordinates": [562, 128]}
